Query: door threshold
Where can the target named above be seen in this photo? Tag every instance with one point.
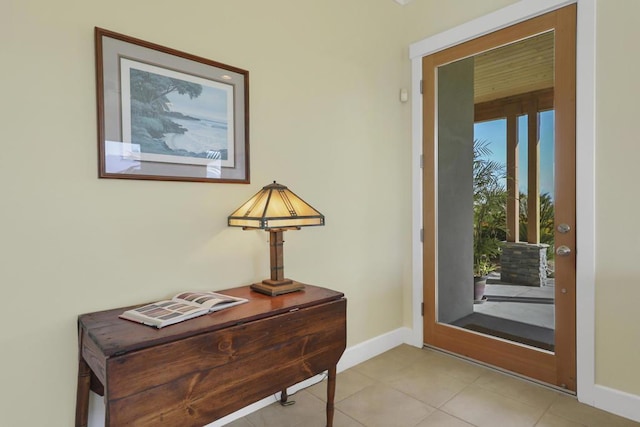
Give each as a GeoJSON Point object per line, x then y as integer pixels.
{"type": "Point", "coordinates": [502, 371]}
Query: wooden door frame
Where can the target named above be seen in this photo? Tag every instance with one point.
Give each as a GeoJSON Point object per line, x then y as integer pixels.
{"type": "Point", "coordinates": [585, 149]}
{"type": "Point", "coordinates": [552, 368]}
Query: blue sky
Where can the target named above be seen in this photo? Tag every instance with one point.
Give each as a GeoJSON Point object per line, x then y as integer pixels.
{"type": "Point", "coordinates": [495, 132]}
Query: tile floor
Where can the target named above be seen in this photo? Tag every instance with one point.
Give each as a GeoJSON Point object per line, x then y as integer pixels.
{"type": "Point", "coordinates": [411, 387]}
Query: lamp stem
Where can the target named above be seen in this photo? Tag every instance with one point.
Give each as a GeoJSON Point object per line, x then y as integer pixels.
{"type": "Point", "coordinates": [277, 284]}
{"type": "Point", "coordinates": [276, 246]}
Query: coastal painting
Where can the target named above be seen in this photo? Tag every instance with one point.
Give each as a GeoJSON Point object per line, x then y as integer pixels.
{"type": "Point", "coordinates": [167, 115]}
{"type": "Point", "coordinates": [174, 117]}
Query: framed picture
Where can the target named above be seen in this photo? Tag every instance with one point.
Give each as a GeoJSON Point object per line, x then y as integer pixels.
{"type": "Point", "coordinates": [168, 115]}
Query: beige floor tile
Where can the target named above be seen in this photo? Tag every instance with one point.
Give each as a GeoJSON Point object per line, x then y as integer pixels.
{"type": "Point", "coordinates": [570, 408]}
{"type": "Point", "coordinates": [347, 383]}
{"type": "Point", "coordinates": [520, 390]}
{"type": "Point", "coordinates": [442, 419]}
{"type": "Point", "coordinates": [385, 366]}
{"type": "Point", "coordinates": [402, 388]}
{"type": "Point", "coordinates": [456, 367]}
{"type": "Point", "coordinates": [426, 383]}
{"type": "Point", "coordinates": [308, 411]}
{"type": "Point", "coordinates": [382, 406]}
{"type": "Point", "coordinates": [407, 354]}
{"type": "Point", "coordinates": [485, 408]}
{"type": "Point", "coordinates": [549, 420]}
{"type": "Point", "coordinates": [242, 422]}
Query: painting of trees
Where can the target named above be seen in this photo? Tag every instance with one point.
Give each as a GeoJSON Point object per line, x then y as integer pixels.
{"type": "Point", "coordinates": [150, 112]}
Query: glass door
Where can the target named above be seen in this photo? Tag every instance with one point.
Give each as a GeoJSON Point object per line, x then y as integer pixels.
{"type": "Point", "coordinates": [499, 194]}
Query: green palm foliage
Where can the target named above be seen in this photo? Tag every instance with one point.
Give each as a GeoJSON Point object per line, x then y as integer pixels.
{"type": "Point", "coordinates": [489, 201]}
{"type": "Point", "coordinates": [489, 211]}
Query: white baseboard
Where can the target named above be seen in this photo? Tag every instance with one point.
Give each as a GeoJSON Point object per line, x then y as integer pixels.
{"type": "Point", "coordinates": [371, 348]}
{"type": "Point", "coordinates": [617, 402]}
{"type": "Point", "coordinates": [351, 357]}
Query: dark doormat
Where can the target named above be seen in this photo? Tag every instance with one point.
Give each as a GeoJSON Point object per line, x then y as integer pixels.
{"type": "Point", "coordinates": [520, 332]}
{"type": "Point", "coordinates": [507, 336]}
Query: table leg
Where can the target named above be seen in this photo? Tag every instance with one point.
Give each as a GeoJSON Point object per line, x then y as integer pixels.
{"type": "Point", "coordinates": [82, 394]}
{"type": "Point", "coordinates": [283, 397]}
{"type": "Point", "coordinates": [331, 393]}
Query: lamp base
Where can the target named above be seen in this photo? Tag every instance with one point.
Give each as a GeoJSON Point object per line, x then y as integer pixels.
{"type": "Point", "coordinates": [277, 287]}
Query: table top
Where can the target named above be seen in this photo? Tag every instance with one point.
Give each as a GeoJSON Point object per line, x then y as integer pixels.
{"type": "Point", "coordinates": [114, 336]}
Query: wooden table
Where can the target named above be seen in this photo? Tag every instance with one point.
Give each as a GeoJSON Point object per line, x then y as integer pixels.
{"type": "Point", "coordinates": [192, 373]}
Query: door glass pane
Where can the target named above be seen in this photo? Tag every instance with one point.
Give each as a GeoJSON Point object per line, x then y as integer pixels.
{"type": "Point", "coordinates": [495, 124]}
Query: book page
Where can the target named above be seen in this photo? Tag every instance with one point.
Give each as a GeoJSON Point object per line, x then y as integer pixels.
{"type": "Point", "coordinates": [183, 306]}
{"type": "Point", "coordinates": [205, 299]}
{"type": "Point", "coordinates": [163, 313]}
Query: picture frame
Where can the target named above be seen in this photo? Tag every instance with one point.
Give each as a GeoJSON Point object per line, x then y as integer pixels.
{"type": "Point", "coordinates": [168, 115]}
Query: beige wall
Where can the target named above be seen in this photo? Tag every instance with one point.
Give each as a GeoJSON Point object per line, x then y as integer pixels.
{"type": "Point", "coordinates": [617, 202]}
{"type": "Point", "coordinates": [424, 18]}
{"type": "Point", "coordinates": [325, 120]}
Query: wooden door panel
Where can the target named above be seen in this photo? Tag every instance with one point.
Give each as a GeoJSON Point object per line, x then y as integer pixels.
{"type": "Point", "coordinates": [557, 367]}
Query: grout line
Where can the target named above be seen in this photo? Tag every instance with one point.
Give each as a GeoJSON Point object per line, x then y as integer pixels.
{"type": "Point", "coordinates": [458, 418]}
{"type": "Point", "coordinates": [336, 410]}
{"type": "Point", "coordinates": [541, 415]}
{"type": "Point", "coordinates": [247, 420]}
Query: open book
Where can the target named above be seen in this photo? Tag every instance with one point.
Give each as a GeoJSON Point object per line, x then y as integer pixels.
{"type": "Point", "coordinates": [183, 306]}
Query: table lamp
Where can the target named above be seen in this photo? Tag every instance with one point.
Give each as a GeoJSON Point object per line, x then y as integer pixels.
{"type": "Point", "coordinates": [275, 209]}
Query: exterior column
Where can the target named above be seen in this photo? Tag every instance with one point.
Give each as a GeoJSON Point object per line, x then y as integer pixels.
{"type": "Point", "coordinates": [533, 173]}
{"type": "Point", "coordinates": [513, 195]}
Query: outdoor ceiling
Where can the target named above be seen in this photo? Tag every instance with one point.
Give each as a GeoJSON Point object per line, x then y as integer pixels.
{"type": "Point", "coordinates": [514, 69]}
